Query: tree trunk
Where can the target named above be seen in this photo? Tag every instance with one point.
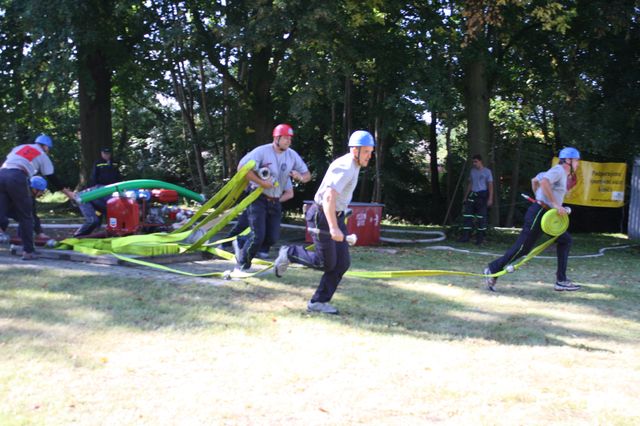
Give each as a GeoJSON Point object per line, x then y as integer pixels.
{"type": "Point", "coordinates": [124, 135]}
{"type": "Point", "coordinates": [515, 179]}
{"type": "Point", "coordinates": [380, 148]}
{"type": "Point", "coordinates": [186, 108]}
{"type": "Point", "coordinates": [228, 152]}
{"type": "Point", "coordinates": [495, 209]}
{"type": "Point", "coordinates": [433, 156]}
{"type": "Point", "coordinates": [335, 138]}
{"type": "Point", "coordinates": [94, 93]}
{"type": "Point", "coordinates": [449, 166]}
{"type": "Point", "coordinates": [204, 111]}
{"type": "Point", "coordinates": [476, 95]}
{"type": "Point", "coordinates": [346, 114]}
{"type": "Point", "coordinates": [556, 133]}
{"type": "Point", "coordinates": [260, 82]}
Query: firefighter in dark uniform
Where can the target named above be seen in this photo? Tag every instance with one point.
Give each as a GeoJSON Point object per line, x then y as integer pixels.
{"type": "Point", "coordinates": [478, 198]}
{"type": "Point", "coordinates": [105, 171]}
{"type": "Point", "coordinates": [23, 162]}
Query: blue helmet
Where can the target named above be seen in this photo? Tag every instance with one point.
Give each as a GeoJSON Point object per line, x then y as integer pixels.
{"type": "Point", "coordinates": [569, 153]}
{"type": "Point", "coordinates": [44, 140]}
{"type": "Point", "coordinates": [39, 183]}
{"type": "Point", "coordinates": [361, 138]}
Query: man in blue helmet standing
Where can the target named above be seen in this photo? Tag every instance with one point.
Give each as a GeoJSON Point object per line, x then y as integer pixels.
{"type": "Point", "coordinates": [326, 215]}
{"type": "Point", "coordinates": [550, 189]}
{"type": "Point", "coordinates": [23, 162]}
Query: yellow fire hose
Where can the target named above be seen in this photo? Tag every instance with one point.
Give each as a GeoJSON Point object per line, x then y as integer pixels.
{"type": "Point", "coordinates": [173, 243]}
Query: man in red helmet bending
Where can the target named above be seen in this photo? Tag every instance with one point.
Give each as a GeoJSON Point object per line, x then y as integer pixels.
{"type": "Point", "coordinates": [276, 163]}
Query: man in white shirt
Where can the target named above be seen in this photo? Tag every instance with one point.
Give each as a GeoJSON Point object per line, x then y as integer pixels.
{"type": "Point", "coordinates": [327, 213]}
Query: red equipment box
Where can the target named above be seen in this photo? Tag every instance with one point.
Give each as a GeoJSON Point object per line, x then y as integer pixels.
{"type": "Point", "coordinates": [123, 216]}
{"type": "Point", "coordinates": [364, 222]}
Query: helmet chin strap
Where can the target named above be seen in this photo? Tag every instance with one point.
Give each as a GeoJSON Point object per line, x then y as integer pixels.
{"type": "Point", "coordinates": [572, 171]}
{"type": "Point", "coordinates": [358, 155]}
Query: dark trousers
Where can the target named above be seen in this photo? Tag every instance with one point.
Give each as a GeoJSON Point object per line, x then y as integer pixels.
{"type": "Point", "coordinates": [475, 210]}
{"type": "Point", "coordinates": [531, 231]}
{"type": "Point", "coordinates": [264, 218]}
{"type": "Point", "coordinates": [14, 191]}
{"type": "Point", "coordinates": [330, 256]}
{"type": "Point", "coordinates": [241, 224]}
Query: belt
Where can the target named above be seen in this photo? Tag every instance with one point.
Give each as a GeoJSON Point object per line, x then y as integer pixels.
{"type": "Point", "coordinates": [17, 167]}
{"type": "Point", "coordinates": [272, 199]}
{"type": "Point", "coordinates": [339, 213]}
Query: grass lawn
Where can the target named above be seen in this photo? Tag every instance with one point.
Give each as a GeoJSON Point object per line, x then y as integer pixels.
{"type": "Point", "coordinates": [86, 348]}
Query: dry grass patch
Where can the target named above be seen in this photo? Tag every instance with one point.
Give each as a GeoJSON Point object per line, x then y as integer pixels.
{"type": "Point", "coordinates": [87, 348]}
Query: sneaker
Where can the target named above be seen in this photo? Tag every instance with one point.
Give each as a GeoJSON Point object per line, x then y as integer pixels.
{"type": "Point", "coordinates": [29, 256]}
{"type": "Point", "coordinates": [567, 285]}
{"type": "Point", "coordinates": [489, 281]}
{"type": "Point", "coordinates": [321, 307]}
{"type": "Point", "coordinates": [264, 255]}
{"type": "Point", "coordinates": [282, 261]}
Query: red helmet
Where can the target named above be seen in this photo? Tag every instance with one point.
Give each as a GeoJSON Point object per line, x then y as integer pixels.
{"type": "Point", "coordinates": [282, 130]}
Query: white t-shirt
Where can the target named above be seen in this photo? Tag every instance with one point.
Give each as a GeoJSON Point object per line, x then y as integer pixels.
{"type": "Point", "coordinates": [342, 176]}
{"type": "Point", "coordinates": [557, 178]}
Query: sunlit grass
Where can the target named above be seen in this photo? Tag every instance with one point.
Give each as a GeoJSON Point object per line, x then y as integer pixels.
{"type": "Point", "coordinates": [87, 348]}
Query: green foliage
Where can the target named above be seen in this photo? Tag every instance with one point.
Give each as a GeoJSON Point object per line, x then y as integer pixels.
{"type": "Point", "coordinates": [215, 75]}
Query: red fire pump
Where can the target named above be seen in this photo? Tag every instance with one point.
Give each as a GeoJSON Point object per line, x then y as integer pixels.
{"type": "Point", "coordinates": [143, 211]}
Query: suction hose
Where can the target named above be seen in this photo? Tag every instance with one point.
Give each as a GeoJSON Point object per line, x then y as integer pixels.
{"type": "Point", "coordinates": [94, 194]}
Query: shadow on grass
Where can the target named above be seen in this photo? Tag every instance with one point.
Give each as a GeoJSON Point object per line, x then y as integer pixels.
{"type": "Point", "coordinates": [381, 306]}
{"type": "Point", "coordinates": [100, 301]}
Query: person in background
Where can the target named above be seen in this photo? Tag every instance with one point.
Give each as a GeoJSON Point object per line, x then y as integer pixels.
{"type": "Point", "coordinates": [478, 198]}
{"type": "Point", "coordinates": [550, 188]}
{"type": "Point", "coordinates": [265, 213]}
{"type": "Point", "coordinates": [38, 187]}
{"type": "Point", "coordinates": [105, 171]}
{"type": "Point", "coordinates": [327, 215]}
{"type": "Point", "coordinates": [89, 211]}
{"type": "Point", "coordinates": [23, 162]}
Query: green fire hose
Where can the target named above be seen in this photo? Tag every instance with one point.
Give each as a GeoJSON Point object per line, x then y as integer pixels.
{"type": "Point", "coordinates": [103, 191]}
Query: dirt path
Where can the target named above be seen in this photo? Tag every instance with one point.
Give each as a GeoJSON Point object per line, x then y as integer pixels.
{"type": "Point", "coordinates": [7, 260]}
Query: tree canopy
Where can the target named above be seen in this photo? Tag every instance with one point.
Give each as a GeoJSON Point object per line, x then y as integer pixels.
{"type": "Point", "coordinates": [182, 89]}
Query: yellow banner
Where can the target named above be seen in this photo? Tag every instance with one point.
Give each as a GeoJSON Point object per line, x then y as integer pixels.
{"type": "Point", "coordinates": [598, 184]}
